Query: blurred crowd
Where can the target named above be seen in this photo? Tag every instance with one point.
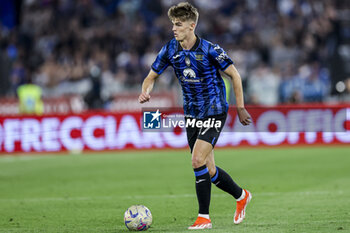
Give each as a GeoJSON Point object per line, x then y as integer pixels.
{"type": "Point", "coordinates": [283, 49]}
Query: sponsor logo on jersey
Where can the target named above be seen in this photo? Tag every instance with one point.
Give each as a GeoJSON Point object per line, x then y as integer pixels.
{"type": "Point", "coordinates": [199, 57]}
{"type": "Point", "coordinates": [189, 73]}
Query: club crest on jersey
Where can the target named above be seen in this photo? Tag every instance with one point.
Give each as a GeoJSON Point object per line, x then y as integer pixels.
{"type": "Point", "coordinates": [189, 73]}
{"type": "Point", "coordinates": [187, 61]}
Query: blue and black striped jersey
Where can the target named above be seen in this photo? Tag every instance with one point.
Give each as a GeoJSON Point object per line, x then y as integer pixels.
{"type": "Point", "coordinates": [198, 73]}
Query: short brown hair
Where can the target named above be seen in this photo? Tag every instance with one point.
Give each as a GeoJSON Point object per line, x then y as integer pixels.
{"type": "Point", "coordinates": [183, 11]}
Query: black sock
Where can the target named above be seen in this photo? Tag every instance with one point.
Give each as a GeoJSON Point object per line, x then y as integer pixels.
{"type": "Point", "coordinates": [224, 181]}
{"type": "Point", "coordinates": [203, 188]}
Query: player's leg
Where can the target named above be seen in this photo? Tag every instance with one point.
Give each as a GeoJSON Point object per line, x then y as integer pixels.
{"type": "Point", "coordinates": [221, 179]}
{"type": "Point", "coordinates": [202, 150]}
{"type": "Point", "coordinates": [224, 181]}
{"type": "Point", "coordinates": [200, 153]}
{"type": "Point", "coordinates": [211, 164]}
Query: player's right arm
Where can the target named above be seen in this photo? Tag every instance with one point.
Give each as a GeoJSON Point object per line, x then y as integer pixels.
{"type": "Point", "coordinates": [147, 86]}
{"type": "Point", "coordinates": [158, 66]}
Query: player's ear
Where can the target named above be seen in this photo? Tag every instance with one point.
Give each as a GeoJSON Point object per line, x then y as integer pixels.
{"type": "Point", "coordinates": [193, 25]}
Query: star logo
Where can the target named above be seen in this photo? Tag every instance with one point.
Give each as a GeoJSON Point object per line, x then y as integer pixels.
{"type": "Point", "coordinates": [156, 115]}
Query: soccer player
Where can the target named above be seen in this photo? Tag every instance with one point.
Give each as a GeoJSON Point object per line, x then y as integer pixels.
{"type": "Point", "coordinates": [196, 63]}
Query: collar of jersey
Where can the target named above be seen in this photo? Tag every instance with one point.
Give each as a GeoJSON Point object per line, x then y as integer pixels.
{"type": "Point", "coordinates": [194, 47]}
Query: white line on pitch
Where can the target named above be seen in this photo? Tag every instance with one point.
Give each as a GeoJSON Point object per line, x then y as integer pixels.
{"type": "Point", "coordinates": [38, 199]}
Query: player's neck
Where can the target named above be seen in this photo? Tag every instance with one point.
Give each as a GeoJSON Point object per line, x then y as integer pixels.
{"type": "Point", "coordinates": [188, 43]}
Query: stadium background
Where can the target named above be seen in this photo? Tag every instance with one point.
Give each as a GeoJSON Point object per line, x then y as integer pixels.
{"type": "Point", "coordinates": [89, 58]}
{"type": "Point", "coordinates": [297, 50]}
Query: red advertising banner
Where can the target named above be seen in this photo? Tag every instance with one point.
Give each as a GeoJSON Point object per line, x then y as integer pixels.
{"type": "Point", "coordinates": [283, 125]}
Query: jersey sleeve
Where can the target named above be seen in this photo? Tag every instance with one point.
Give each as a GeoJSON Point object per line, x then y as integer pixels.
{"type": "Point", "coordinates": [219, 57]}
{"type": "Point", "coordinates": [161, 62]}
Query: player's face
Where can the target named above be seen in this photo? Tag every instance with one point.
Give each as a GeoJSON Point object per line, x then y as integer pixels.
{"type": "Point", "coordinates": [182, 29]}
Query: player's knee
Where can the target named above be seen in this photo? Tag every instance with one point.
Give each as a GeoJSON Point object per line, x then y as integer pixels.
{"type": "Point", "coordinates": [197, 160]}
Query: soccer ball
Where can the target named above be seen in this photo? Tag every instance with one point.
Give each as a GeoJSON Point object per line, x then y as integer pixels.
{"type": "Point", "coordinates": [138, 218]}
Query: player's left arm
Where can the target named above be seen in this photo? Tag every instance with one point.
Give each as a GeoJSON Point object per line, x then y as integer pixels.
{"type": "Point", "coordinates": [243, 114]}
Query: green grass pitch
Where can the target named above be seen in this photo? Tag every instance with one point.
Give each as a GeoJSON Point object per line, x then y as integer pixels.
{"type": "Point", "coordinates": [294, 190]}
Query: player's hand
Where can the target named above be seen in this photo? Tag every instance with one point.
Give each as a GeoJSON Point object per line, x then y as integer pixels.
{"type": "Point", "coordinates": [244, 116]}
{"type": "Point", "coordinates": [144, 97]}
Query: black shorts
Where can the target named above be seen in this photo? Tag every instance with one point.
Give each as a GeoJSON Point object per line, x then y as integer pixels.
{"type": "Point", "coordinates": [208, 132]}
